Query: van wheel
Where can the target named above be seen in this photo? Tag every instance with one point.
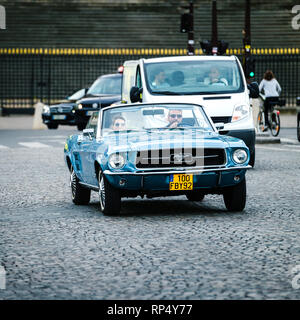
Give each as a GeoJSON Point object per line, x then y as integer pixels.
{"type": "Point", "coordinates": [235, 197]}
{"type": "Point", "coordinates": [109, 197]}
{"type": "Point", "coordinates": [81, 126]}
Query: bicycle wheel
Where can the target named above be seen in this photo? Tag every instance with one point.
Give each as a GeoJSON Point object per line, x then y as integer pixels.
{"type": "Point", "coordinates": [260, 122]}
{"type": "Point", "coordinates": [298, 126]}
{"type": "Point", "coordinates": [275, 124]}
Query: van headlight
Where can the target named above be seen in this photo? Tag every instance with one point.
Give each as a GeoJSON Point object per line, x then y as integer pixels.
{"type": "Point", "coordinates": [116, 161]}
{"type": "Point", "coordinates": [80, 106]}
{"type": "Point", "coordinates": [240, 156]}
{"type": "Point", "coordinates": [240, 112]}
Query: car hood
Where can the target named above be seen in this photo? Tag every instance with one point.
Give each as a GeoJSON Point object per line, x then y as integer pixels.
{"type": "Point", "coordinates": [103, 99]}
{"type": "Point", "coordinates": [135, 141]}
{"type": "Point", "coordinates": [63, 105]}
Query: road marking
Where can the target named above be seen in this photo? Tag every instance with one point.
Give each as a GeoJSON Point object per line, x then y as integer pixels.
{"type": "Point", "coordinates": [291, 146]}
{"type": "Point", "coordinates": [277, 149]}
{"type": "Point", "coordinates": [3, 147]}
{"type": "Point", "coordinates": [57, 141]}
{"type": "Point", "coordinates": [34, 145]}
{"type": "Point", "coordinates": [290, 141]}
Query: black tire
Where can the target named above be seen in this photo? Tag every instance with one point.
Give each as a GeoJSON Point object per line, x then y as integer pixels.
{"type": "Point", "coordinates": [109, 197]}
{"type": "Point", "coordinates": [52, 126]}
{"type": "Point", "coordinates": [275, 124]}
{"type": "Point", "coordinates": [252, 158]}
{"type": "Point", "coordinates": [298, 126]}
{"type": "Point", "coordinates": [195, 196]}
{"type": "Point", "coordinates": [81, 126]}
{"type": "Point", "coordinates": [235, 197]}
{"type": "Point", "coordinates": [260, 124]}
{"type": "Point", "coordinates": [80, 195]}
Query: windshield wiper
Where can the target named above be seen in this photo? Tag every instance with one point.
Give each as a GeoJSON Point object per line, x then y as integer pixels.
{"type": "Point", "coordinates": [171, 93]}
{"type": "Point", "coordinates": [205, 92]}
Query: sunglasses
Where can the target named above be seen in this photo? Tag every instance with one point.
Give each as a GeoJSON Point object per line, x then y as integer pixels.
{"type": "Point", "coordinates": [178, 116]}
{"type": "Point", "coordinates": [119, 124]}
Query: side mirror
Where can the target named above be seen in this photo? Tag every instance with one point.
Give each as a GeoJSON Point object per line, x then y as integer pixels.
{"type": "Point", "coordinates": [88, 133]}
{"type": "Point", "coordinates": [253, 90]}
{"type": "Point", "coordinates": [219, 125]}
{"type": "Point", "coordinates": [135, 94]}
{"type": "Point", "coordinates": [86, 90]}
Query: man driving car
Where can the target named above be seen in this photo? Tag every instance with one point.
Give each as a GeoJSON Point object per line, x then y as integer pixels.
{"type": "Point", "coordinates": [174, 118]}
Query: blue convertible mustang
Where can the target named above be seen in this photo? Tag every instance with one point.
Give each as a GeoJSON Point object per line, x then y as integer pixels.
{"type": "Point", "coordinates": [155, 150]}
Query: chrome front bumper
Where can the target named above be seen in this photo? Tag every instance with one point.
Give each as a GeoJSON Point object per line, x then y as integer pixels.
{"type": "Point", "coordinates": [145, 172]}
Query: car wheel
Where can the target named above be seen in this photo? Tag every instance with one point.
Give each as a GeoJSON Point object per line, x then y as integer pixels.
{"type": "Point", "coordinates": [195, 196]}
{"type": "Point", "coordinates": [81, 126]}
{"type": "Point", "coordinates": [109, 197]}
{"type": "Point", "coordinates": [235, 197]}
{"type": "Point", "coordinates": [80, 195]}
{"type": "Point", "coordinates": [52, 126]}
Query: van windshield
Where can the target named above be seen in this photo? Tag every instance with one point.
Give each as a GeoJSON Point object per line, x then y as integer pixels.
{"type": "Point", "coordinates": [193, 77]}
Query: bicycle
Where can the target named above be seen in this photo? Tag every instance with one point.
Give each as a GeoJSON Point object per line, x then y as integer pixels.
{"type": "Point", "coordinates": [273, 114]}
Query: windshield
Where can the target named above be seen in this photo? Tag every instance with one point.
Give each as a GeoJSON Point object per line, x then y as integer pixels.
{"type": "Point", "coordinates": [155, 117]}
{"type": "Point", "coordinates": [77, 95]}
{"type": "Point", "coordinates": [193, 77]}
{"type": "Point", "coordinates": [106, 85]}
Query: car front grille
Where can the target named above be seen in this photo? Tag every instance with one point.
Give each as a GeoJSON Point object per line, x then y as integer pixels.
{"type": "Point", "coordinates": [61, 109]}
{"type": "Point", "coordinates": [161, 158]}
{"type": "Point", "coordinates": [221, 119]}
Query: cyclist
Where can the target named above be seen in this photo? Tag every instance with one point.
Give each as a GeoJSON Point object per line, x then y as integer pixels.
{"type": "Point", "coordinates": [270, 87]}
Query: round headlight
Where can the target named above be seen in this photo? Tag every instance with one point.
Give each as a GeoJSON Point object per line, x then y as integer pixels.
{"type": "Point", "coordinates": [117, 161]}
{"type": "Point", "coordinates": [240, 156]}
{"type": "Point", "coordinates": [80, 106]}
{"type": "Point", "coordinates": [95, 105]}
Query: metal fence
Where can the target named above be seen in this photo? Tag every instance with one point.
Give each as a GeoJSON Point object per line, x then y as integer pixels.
{"type": "Point", "coordinates": [48, 75]}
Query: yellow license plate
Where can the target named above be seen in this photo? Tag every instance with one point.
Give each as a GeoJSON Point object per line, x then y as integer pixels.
{"type": "Point", "coordinates": [181, 182]}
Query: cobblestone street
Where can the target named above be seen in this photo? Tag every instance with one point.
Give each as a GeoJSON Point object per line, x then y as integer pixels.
{"type": "Point", "coordinates": [163, 248]}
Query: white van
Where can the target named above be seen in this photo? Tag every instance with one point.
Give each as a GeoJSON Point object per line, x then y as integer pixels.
{"type": "Point", "coordinates": [215, 82]}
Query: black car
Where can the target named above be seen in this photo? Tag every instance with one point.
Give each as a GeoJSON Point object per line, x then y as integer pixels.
{"type": "Point", "coordinates": [105, 91]}
{"type": "Point", "coordinates": [62, 113]}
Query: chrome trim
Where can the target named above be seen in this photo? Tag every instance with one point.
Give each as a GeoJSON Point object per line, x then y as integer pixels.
{"type": "Point", "coordinates": [108, 172]}
{"type": "Point", "coordinates": [211, 166]}
{"type": "Point", "coordinates": [90, 186]}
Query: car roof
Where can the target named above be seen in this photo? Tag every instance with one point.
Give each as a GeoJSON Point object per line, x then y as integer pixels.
{"type": "Point", "coordinates": [111, 75]}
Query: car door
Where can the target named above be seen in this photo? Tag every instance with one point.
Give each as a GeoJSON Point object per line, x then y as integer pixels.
{"type": "Point", "coordinates": [88, 148]}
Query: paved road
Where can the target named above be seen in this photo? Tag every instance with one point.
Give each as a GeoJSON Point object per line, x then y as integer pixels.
{"type": "Point", "coordinates": [156, 249]}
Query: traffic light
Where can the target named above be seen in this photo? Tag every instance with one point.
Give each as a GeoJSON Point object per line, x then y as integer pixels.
{"type": "Point", "coordinates": [250, 67]}
{"type": "Point", "coordinates": [186, 23]}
